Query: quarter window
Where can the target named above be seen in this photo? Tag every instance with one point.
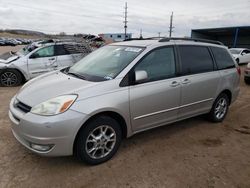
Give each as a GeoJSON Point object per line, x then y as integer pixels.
{"type": "Point", "coordinates": [158, 64]}
{"type": "Point", "coordinates": [195, 59]}
{"type": "Point", "coordinates": [222, 58]}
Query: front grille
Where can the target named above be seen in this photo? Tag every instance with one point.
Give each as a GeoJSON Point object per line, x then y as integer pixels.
{"type": "Point", "coordinates": [23, 107]}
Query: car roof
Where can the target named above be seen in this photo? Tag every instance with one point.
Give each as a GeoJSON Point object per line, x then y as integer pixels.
{"type": "Point", "coordinates": [157, 42]}
{"type": "Point", "coordinates": [139, 43]}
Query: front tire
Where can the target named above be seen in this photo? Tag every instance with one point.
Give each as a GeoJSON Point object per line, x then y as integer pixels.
{"type": "Point", "coordinates": [238, 61]}
{"type": "Point", "coordinates": [98, 140]}
{"type": "Point", "coordinates": [219, 109]}
{"type": "Point", "coordinates": [10, 78]}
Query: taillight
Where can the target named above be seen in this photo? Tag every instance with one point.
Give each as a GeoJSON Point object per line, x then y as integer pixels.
{"type": "Point", "coordinates": [238, 70]}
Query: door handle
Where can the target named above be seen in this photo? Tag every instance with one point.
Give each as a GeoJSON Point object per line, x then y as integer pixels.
{"type": "Point", "coordinates": [51, 59]}
{"type": "Point", "coordinates": [186, 81]}
{"type": "Point", "coordinates": [174, 84]}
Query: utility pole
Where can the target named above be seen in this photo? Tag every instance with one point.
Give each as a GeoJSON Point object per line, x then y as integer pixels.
{"type": "Point", "coordinates": [126, 20]}
{"type": "Point", "coordinates": [171, 25]}
{"type": "Point", "coordinates": [141, 34]}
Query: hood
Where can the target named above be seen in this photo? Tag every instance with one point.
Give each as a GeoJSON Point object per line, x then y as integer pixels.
{"type": "Point", "coordinates": [49, 86]}
{"type": "Point", "coordinates": [235, 55]}
{"type": "Point", "coordinates": [8, 57]}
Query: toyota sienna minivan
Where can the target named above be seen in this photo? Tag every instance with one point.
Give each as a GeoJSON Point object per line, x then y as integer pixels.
{"type": "Point", "coordinates": [120, 90]}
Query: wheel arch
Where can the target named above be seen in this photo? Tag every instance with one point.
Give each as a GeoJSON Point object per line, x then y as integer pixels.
{"type": "Point", "coordinates": [228, 93]}
{"type": "Point", "coordinates": [21, 73]}
{"type": "Point", "coordinates": [118, 117]}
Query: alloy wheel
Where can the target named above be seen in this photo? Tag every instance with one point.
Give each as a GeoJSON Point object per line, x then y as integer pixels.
{"type": "Point", "coordinates": [221, 108]}
{"type": "Point", "coordinates": [100, 142]}
{"type": "Point", "coordinates": [9, 79]}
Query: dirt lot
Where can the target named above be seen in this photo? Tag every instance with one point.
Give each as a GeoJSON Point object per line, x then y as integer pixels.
{"type": "Point", "coordinates": [192, 153]}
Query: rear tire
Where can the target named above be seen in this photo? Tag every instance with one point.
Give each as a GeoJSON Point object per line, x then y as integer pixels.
{"type": "Point", "coordinates": [10, 78]}
{"type": "Point", "coordinates": [219, 109]}
{"type": "Point", "coordinates": [98, 140]}
{"type": "Point", "coordinates": [247, 80]}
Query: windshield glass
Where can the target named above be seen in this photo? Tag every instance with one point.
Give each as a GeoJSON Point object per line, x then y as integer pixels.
{"type": "Point", "coordinates": [235, 51]}
{"type": "Point", "coordinates": [27, 49]}
{"type": "Point", "coordinates": [105, 63]}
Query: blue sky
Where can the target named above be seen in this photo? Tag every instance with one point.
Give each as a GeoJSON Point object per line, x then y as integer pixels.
{"type": "Point", "coordinates": [99, 16]}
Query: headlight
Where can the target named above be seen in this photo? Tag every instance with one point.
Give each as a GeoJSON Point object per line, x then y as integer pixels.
{"type": "Point", "coordinates": [54, 106]}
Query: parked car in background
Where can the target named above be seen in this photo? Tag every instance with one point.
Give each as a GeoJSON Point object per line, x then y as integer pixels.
{"type": "Point", "coordinates": [2, 42]}
{"type": "Point", "coordinates": [36, 59]}
{"type": "Point", "coordinates": [247, 74]}
{"type": "Point", "coordinates": [241, 55]}
{"type": "Point", "coordinates": [10, 42]}
{"type": "Point", "coordinates": [120, 90]}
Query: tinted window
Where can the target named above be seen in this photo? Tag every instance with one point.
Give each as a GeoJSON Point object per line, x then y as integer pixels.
{"type": "Point", "coordinates": [245, 52]}
{"type": "Point", "coordinates": [223, 58]}
{"type": "Point", "coordinates": [60, 50]}
{"type": "Point", "coordinates": [195, 59]}
{"type": "Point", "coordinates": [159, 64]}
{"type": "Point", "coordinates": [45, 52]}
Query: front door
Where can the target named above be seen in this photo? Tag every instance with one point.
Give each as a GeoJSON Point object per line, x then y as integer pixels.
{"type": "Point", "coordinates": [41, 61]}
{"type": "Point", "coordinates": [155, 101]}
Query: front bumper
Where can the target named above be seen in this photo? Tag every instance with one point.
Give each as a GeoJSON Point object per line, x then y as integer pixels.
{"type": "Point", "coordinates": [57, 131]}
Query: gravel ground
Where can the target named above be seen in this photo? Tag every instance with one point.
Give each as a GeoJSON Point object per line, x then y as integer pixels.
{"type": "Point", "coordinates": [191, 153]}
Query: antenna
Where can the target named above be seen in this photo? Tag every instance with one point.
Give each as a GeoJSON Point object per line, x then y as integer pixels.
{"type": "Point", "coordinates": [126, 20]}
{"type": "Point", "coordinates": [171, 25]}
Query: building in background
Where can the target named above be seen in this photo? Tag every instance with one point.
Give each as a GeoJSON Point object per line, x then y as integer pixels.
{"type": "Point", "coordinates": [237, 37]}
{"type": "Point", "coordinates": [115, 37]}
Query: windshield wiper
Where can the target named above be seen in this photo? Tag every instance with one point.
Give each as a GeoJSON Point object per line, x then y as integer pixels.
{"type": "Point", "coordinates": [76, 75]}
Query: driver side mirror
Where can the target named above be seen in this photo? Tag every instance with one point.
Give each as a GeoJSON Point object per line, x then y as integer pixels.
{"type": "Point", "coordinates": [34, 55]}
{"type": "Point", "coordinates": [243, 53]}
{"type": "Point", "coordinates": [141, 76]}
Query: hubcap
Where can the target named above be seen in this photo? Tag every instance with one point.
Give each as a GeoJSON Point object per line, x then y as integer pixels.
{"type": "Point", "coordinates": [8, 79]}
{"type": "Point", "coordinates": [100, 142]}
{"type": "Point", "coordinates": [221, 108]}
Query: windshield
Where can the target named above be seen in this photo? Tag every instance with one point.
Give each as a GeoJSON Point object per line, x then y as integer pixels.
{"type": "Point", "coordinates": [235, 51]}
{"type": "Point", "coordinates": [105, 63]}
{"type": "Point", "coordinates": [27, 49]}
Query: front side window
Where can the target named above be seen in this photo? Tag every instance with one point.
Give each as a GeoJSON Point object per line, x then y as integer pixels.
{"type": "Point", "coordinates": [222, 58]}
{"type": "Point", "coordinates": [45, 52]}
{"type": "Point", "coordinates": [195, 59]}
{"type": "Point", "coordinates": [159, 64]}
{"type": "Point", "coordinates": [105, 63]}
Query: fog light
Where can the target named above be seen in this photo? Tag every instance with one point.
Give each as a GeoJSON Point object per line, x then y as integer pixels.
{"type": "Point", "coordinates": [41, 147]}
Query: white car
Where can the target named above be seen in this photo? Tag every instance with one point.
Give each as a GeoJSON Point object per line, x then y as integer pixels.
{"type": "Point", "coordinates": [247, 74]}
{"type": "Point", "coordinates": [241, 55]}
{"type": "Point", "coordinates": [38, 58]}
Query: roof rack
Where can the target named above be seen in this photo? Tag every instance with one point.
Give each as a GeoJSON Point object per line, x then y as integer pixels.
{"type": "Point", "coordinates": [192, 39]}
{"type": "Point", "coordinates": [149, 38]}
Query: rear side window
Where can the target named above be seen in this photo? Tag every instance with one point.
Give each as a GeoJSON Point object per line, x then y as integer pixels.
{"type": "Point", "coordinates": [60, 50]}
{"type": "Point", "coordinates": [195, 59]}
{"type": "Point", "coordinates": [222, 58]}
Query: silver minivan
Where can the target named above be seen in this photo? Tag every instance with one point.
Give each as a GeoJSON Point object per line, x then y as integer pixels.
{"type": "Point", "coordinates": [120, 90]}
